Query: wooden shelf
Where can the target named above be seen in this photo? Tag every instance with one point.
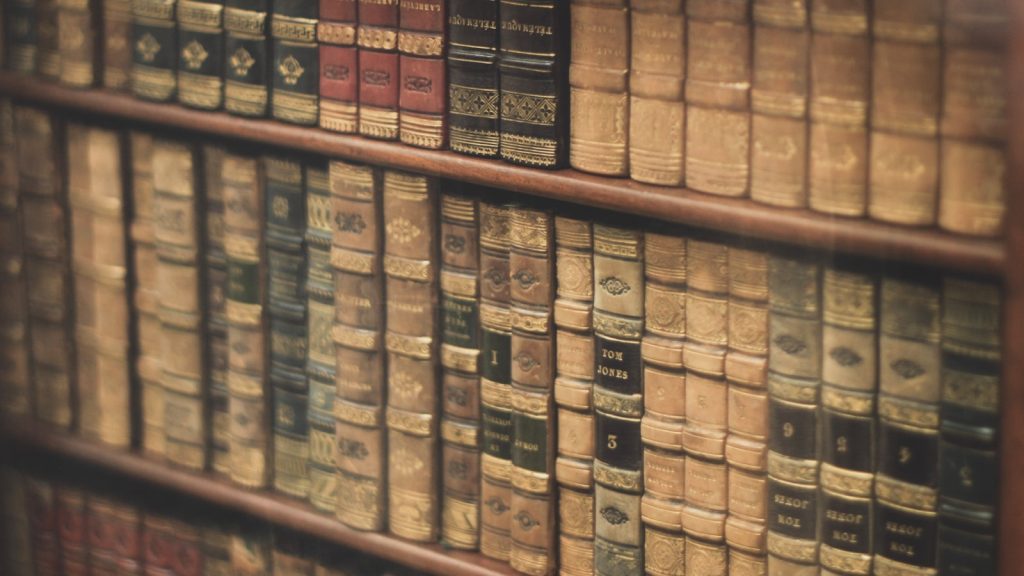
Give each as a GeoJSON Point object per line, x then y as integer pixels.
{"type": "Point", "coordinates": [735, 216]}
{"type": "Point", "coordinates": [276, 509]}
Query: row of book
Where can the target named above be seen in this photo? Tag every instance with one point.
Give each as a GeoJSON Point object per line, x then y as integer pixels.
{"type": "Point", "coordinates": [52, 526]}
{"type": "Point", "coordinates": [561, 389]}
{"type": "Point", "coordinates": [892, 109]}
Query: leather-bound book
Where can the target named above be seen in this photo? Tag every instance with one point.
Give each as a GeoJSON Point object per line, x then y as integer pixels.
{"type": "Point", "coordinates": [718, 76]}
{"type": "Point", "coordinates": [840, 88]}
{"type": "Point", "coordinates": [574, 390]}
{"type": "Point", "coordinates": [158, 541]}
{"type": "Point", "coordinates": [972, 183]}
{"type": "Point", "coordinates": [77, 41]}
{"type": "Point", "coordinates": [246, 57]}
{"type": "Point", "coordinates": [849, 373]}
{"type": "Point", "coordinates": [216, 534]}
{"type": "Point", "coordinates": [460, 379]}
{"type": "Point", "coordinates": [201, 53]}
{"type": "Point", "coordinates": [657, 72]}
{"type": "Point", "coordinates": [533, 53]}
{"type": "Point", "coordinates": [154, 49]}
{"type": "Point", "coordinates": [179, 229]}
{"type": "Point", "coordinates": [746, 449]}
{"type": "Point", "coordinates": [320, 357]}
{"type": "Point", "coordinates": [906, 70]}
{"type": "Point", "coordinates": [906, 453]}
{"type": "Point", "coordinates": [661, 429]}
{"type": "Point", "coordinates": [794, 380]}
{"type": "Point", "coordinates": [411, 339]}
{"type": "Point", "coordinates": [17, 540]}
{"type": "Point", "coordinates": [146, 297]}
{"type": "Point", "coordinates": [295, 67]}
{"type": "Point", "coordinates": [495, 381]}
{"type": "Point", "coordinates": [99, 254]}
{"type": "Point", "coordinates": [187, 559]}
{"type": "Point", "coordinates": [339, 65]}
{"type": "Point", "coordinates": [618, 402]}
{"type": "Point", "coordinates": [599, 87]}
{"type": "Point", "coordinates": [216, 287]}
{"type": "Point", "coordinates": [47, 40]}
{"type": "Point", "coordinates": [969, 409]}
{"type": "Point", "coordinates": [423, 82]}
{"type": "Point", "coordinates": [99, 533]}
{"type": "Point", "coordinates": [532, 274]}
{"type": "Point", "coordinates": [249, 462]}
{"type": "Point", "coordinates": [378, 69]}
{"type": "Point", "coordinates": [116, 44]}
{"type": "Point", "coordinates": [42, 516]}
{"type": "Point", "coordinates": [251, 550]}
{"type": "Point", "coordinates": [706, 401]}
{"type": "Point", "coordinates": [291, 555]}
{"type": "Point", "coordinates": [356, 250]}
{"type": "Point", "coordinates": [285, 211]}
{"type": "Point", "coordinates": [778, 100]}
{"type": "Point", "coordinates": [71, 530]}
{"type": "Point", "coordinates": [114, 531]}
{"type": "Point", "coordinates": [473, 77]}
{"type": "Point", "coordinates": [45, 241]}
{"type": "Point", "coordinates": [20, 35]}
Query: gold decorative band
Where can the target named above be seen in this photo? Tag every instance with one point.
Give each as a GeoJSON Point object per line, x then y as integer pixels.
{"type": "Point", "coordinates": [843, 561]}
{"type": "Point", "coordinates": [460, 434]}
{"type": "Point", "coordinates": [476, 142]}
{"type": "Point", "coordinates": [792, 548]}
{"type": "Point", "coordinates": [915, 416]}
{"type": "Point", "coordinates": [458, 284]}
{"type": "Point", "coordinates": [353, 261]}
{"type": "Point", "coordinates": [292, 28]}
{"type": "Point", "coordinates": [495, 317]}
{"type": "Point", "coordinates": [530, 561]}
{"type": "Point", "coordinates": [459, 523]}
{"type": "Point", "coordinates": [245, 21]}
{"type": "Point", "coordinates": [886, 567]}
{"type": "Point", "coordinates": [377, 38]}
{"type": "Point", "coordinates": [199, 90]}
{"type": "Point", "coordinates": [368, 416]}
{"type": "Point", "coordinates": [157, 9]}
{"type": "Point", "coordinates": [796, 392]}
{"type": "Point", "coordinates": [617, 326]}
{"type": "Point", "coordinates": [336, 33]}
{"type": "Point", "coordinates": [626, 480]}
{"type": "Point", "coordinates": [354, 338]}
{"type": "Point", "coordinates": [911, 497]}
{"type": "Point", "coordinates": [420, 270]}
{"type": "Point", "coordinates": [411, 514]}
{"type": "Point", "coordinates": [496, 394]}
{"type": "Point", "coordinates": [339, 116]}
{"type": "Point", "coordinates": [618, 404]}
{"type": "Point", "coordinates": [245, 385]}
{"type": "Point", "coordinates": [360, 506]}
{"type": "Point", "coordinates": [245, 99]}
{"type": "Point", "coordinates": [529, 403]}
{"type": "Point", "coordinates": [495, 468]}
{"type": "Point", "coordinates": [203, 14]}
{"type": "Point", "coordinates": [419, 347]}
{"type": "Point", "coordinates": [462, 359]}
{"type": "Point", "coordinates": [240, 313]}
{"type": "Point", "coordinates": [792, 470]}
{"type": "Point", "coordinates": [295, 107]}
{"type": "Point", "coordinates": [420, 44]}
{"type": "Point", "coordinates": [410, 422]}
{"type": "Point", "coordinates": [531, 481]}
{"type": "Point", "coordinates": [847, 401]}
{"type": "Point", "coordinates": [845, 481]}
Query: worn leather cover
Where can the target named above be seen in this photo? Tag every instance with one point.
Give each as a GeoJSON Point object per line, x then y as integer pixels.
{"type": "Point", "coordinates": [72, 531]}
{"type": "Point", "coordinates": [77, 29]}
{"type": "Point", "coordinates": [473, 77]}
{"type": "Point", "coordinates": [339, 65]}
{"type": "Point", "coordinates": [201, 54]}
{"type": "Point", "coordinates": [246, 57]}
{"type": "Point", "coordinates": [216, 307]}
{"type": "Point", "coordinates": [378, 68]}
{"type": "Point", "coordinates": [154, 45]}
{"type": "Point", "coordinates": [423, 89]}
{"type": "Point", "coordinates": [47, 40]}
{"type": "Point", "coordinates": [42, 516]}
{"type": "Point", "coordinates": [295, 67]}
{"type": "Point", "coordinates": [116, 44]}
{"type": "Point", "coordinates": [20, 35]}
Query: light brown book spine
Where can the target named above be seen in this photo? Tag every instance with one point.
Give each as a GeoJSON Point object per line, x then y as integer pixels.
{"type": "Point", "coordinates": [77, 28]}
{"type": "Point", "coordinates": [116, 50]}
{"type": "Point", "coordinates": [101, 304]}
{"type": "Point", "coordinates": [840, 55]}
{"type": "Point", "coordinates": [574, 390]}
{"type": "Point", "coordinates": [47, 40]}
{"type": "Point", "coordinates": [598, 79]}
{"type": "Point", "coordinates": [356, 256]}
{"type": "Point", "coordinates": [252, 551]}
{"type": "Point", "coordinates": [216, 303]}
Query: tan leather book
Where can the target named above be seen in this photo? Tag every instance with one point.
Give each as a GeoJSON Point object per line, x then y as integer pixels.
{"type": "Point", "coordinates": [252, 550]}
{"type": "Point", "coordinates": [657, 113]}
{"type": "Point", "coordinates": [411, 268]}
{"type": "Point", "coordinates": [99, 254]}
{"type": "Point", "coordinates": [47, 39]}
{"type": "Point", "coordinates": [718, 77]}
{"type": "Point", "coordinates": [78, 42]}
{"type": "Point", "coordinates": [216, 535]}
{"type": "Point", "coordinates": [356, 256]}
{"type": "Point", "coordinates": [574, 389]}
{"type": "Point", "coordinates": [216, 307]}
{"type": "Point", "coordinates": [840, 55]}
{"type": "Point", "coordinates": [178, 231]}
{"type": "Point", "coordinates": [661, 428]}
{"type": "Point", "coordinates": [116, 43]}
{"type": "Point", "coordinates": [598, 87]}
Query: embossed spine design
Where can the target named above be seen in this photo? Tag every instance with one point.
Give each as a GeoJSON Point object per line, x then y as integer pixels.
{"type": "Point", "coordinates": [200, 57]}
{"type": "Point", "coordinates": [378, 68]}
{"type": "Point", "coordinates": [473, 77]}
{"type": "Point", "coordinates": [76, 34]}
{"type": "Point", "coordinates": [339, 67]}
{"type": "Point", "coordinates": [423, 82]}
{"type": "Point", "coordinates": [154, 49]}
{"type": "Point", "coordinates": [246, 56]}
{"type": "Point", "coordinates": [295, 65]}
{"type": "Point", "coordinates": [19, 19]}
{"type": "Point", "coordinates": [216, 307]}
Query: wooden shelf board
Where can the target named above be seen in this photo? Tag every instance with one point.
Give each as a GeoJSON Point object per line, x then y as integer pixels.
{"type": "Point", "coordinates": [274, 508]}
{"type": "Point", "coordinates": [741, 217]}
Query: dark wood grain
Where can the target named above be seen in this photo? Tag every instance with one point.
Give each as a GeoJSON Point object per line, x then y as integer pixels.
{"type": "Point", "coordinates": [735, 216]}
{"type": "Point", "coordinates": [279, 510]}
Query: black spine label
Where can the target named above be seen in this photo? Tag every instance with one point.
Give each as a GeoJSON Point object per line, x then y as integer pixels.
{"type": "Point", "coordinates": [967, 474]}
{"type": "Point", "coordinates": [849, 441]}
{"type": "Point", "coordinates": [460, 321]}
{"type": "Point", "coordinates": [495, 362]}
{"type": "Point", "coordinates": [618, 441]}
{"type": "Point", "coordinates": [793, 430]}
{"type": "Point", "coordinates": [909, 455]}
{"type": "Point", "coordinates": [618, 365]}
{"type": "Point", "coordinates": [497, 426]}
{"type": "Point", "coordinates": [846, 523]}
{"type": "Point", "coordinates": [792, 510]}
{"type": "Point", "coordinates": [529, 450]}
{"type": "Point", "coordinates": [905, 536]}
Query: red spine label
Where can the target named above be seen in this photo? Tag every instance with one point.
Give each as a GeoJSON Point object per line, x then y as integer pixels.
{"type": "Point", "coordinates": [378, 73]}
{"type": "Point", "coordinates": [339, 72]}
{"type": "Point", "coordinates": [423, 85]}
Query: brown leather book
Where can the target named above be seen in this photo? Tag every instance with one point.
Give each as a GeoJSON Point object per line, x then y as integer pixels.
{"type": "Point", "coordinates": [574, 389]}
{"type": "Point", "coordinates": [42, 510]}
{"type": "Point", "coordinates": [99, 255]}
{"type": "Point", "coordinates": [357, 249]}
{"type": "Point", "coordinates": [78, 42]}
{"type": "Point", "coordinates": [252, 549]}
{"type": "Point", "coordinates": [19, 19]}
{"type": "Point", "coordinates": [47, 40]}
{"type": "Point", "coordinates": [17, 541]}
{"type": "Point", "coordinates": [216, 534]}
{"type": "Point", "coordinates": [292, 554]}
{"type": "Point", "coordinates": [71, 530]}
{"type": "Point", "coordinates": [113, 525]}
{"type": "Point", "coordinates": [116, 50]}
{"type": "Point", "coordinates": [216, 327]}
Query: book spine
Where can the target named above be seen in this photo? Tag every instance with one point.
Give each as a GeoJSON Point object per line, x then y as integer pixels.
{"type": "Point", "coordinates": [905, 98]}
{"type": "Point", "coordinates": [248, 398]}
{"type": "Point", "coordinates": [20, 35]}
{"type": "Point", "coordinates": [361, 450]}
{"type": "Point", "coordinates": [100, 532]}
{"type": "Point", "coordinates": [286, 288]}
{"type": "Point", "coordinates": [251, 551]}
{"type": "Point", "coordinates": [618, 409]}
{"type": "Point", "coordinates": [98, 248]}
{"type": "Point", "coordinates": [200, 59]}
{"type": "Point", "coordinates": [158, 542]}
{"type": "Point", "coordinates": [495, 381]}
{"type": "Point", "coordinates": [718, 76]}
{"type": "Point", "coordinates": [47, 40]}
{"type": "Point", "coordinates": [377, 37]}
{"type": "Point", "coordinates": [146, 296]}
{"type": "Point", "coordinates": [246, 57]}
{"type": "Point", "coordinates": [574, 389]}
{"type": "Point", "coordinates": [794, 380]}
{"type": "Point", "coordinates": [840, 86]}
{"type": "Point", "coordinates": [77, 42]}
{"type": "Point", "coordinates": [460, 355]}
{"type": "Point", "coordinates": [296, 66]}
{"type": "Point", "coordinates": [411, 269]}
{"type": "Point", "coordinates": [74, 545]}
{"type": "Point", "coordinates": [291, 554]}
{"type": "Point", "coordinates": [661, 428]}
{"type": "Point", "coordinates": [423, 83]}
{"type": "Point", "coordinates": [17, 541]}
{"type": "Point", "coordinates": [746, 449]}
{"type": "Point", "coordinates": [969, 409]}
{"type": "Point", "coordinates": [126, 536]}
{"type": "Point", "coordinates": [532, 53]}
{"type": "Point", "coordinates": [339, 66]}
{"type": "Point", "coordinates": [116, 51]}
{"type": "Point", "coordinates": [320, 357]}
{"type": "Point", "coordinates": [657, 72]}
{"type": "Point", "coordinates": [849, 374]}
{"type": "Point", "coordinates": [599, 89]}
{"type": "Point", "coordinates": [778, 101]}
{"type": "Point", "coordinates": [42, 510]}
{"type": "Point", "coordinates": [473, 77]}
{"type": "Point", "coordinates": [181, 307]}
{"type": "Point", "coordinates": [216, 302]}
{"type": "Point", "coordinates": [216, 545]}
{"type": "Point", "coordinates": [154, 42]}
{"type": "Point", "coordinates": [45, 240]}
{"type": "Point", "coordinates": [531, 270]}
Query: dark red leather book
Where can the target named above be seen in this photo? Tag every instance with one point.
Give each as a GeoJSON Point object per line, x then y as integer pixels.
{"type": "Point", "coordinates": [74, 547]}
{"type": "Point", "coordinates": [43, 521]}
{"type": "Point", "coordinates": [339, 65]}
{"type": "Point", "coordinates": [378, 69]}
{"type": "Point", "coordinates": [423, 91]}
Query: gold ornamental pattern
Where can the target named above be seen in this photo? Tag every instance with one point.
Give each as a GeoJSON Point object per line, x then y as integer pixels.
{"type": "Point", "coordinates": [528, 108]}
{"type": "Point", "coordinates": [472, 101]}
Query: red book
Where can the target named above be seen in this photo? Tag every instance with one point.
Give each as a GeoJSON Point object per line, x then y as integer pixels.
{"type": "Point", "coordinates": [43, 520]}
{"type": "Point", "coordinates": [74, 546]}
{"type": "Point", "coordinates": [378, 68]}
{"type": "Point", "coordinates": [339, 65]}
{"type": "Point", "coordinates": [424, 87]}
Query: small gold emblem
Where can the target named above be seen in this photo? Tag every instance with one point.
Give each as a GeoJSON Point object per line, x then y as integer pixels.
{"type": "Point", "coordinates": [241, 61]}
{"type": "Point", "coordinates": [194, 55]}
{"type": "Point", "coordinates": [291, 69]}
{"type": "Point", "coordinates": [147, 47]}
